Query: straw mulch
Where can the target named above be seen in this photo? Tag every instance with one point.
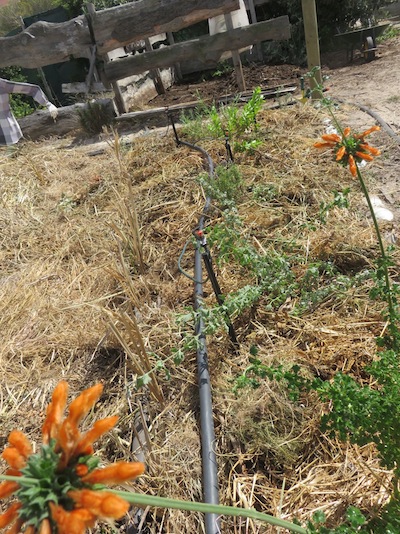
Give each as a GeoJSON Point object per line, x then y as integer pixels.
{"type": "Point", "coordinates": [90, 290]}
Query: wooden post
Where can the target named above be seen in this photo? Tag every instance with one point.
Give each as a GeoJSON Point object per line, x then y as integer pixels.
{"type": "Point", "coordinates": [118, 98]}
{"type": "Point", "coordinates": [253, 19]}
{"type": "Point", "coordinates": [177, 66]}
{"type": "Point", "coordinates": [235, 57]}
{"type": "Point", "coordinates": [155, 74]}
{"type": "Point", "coordinates": [312, 45]}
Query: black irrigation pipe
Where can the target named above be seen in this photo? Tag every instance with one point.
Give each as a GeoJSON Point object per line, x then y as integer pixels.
{"type": "Point", "coordinates": [209, 460]}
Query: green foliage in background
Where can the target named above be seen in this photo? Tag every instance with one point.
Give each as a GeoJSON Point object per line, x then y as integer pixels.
{"type": "Point", "coordinates": [11, 14]}
{"type": "Point", "coordinates": [20, 105]}
{"type": "Point", "coordinates": [77, 7]}
{"type": "Point", "coordinates": [333, 17]}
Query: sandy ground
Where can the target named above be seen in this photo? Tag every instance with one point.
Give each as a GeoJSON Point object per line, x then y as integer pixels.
{"type": "Point", "coordinates": [375, 85]}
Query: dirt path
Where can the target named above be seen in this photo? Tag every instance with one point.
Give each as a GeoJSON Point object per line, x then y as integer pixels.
{"type": "Point", "coordinates": [375, 85]}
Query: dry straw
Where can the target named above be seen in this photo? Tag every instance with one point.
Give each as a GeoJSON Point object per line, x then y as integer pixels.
{"type": "Point", "coordinates": [89, 290]}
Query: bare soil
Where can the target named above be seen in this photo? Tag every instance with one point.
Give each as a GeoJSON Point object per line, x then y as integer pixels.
{"type": "Point", "coordinates": [374, 84]}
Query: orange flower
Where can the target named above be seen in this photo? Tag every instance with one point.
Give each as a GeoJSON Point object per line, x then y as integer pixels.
{"type": "Point", "coordinates": [331, 138]}
{"type": "Point", "coordinates": [10, 514]}
{"type": "Point", "coordinates": [80, 407]}
{"type": "Point", "coordinates": [54, 413]}
{"type": "Point", "coordinates": [368, 132]}
{"type": "Point", "coordinates": [370, 149]}
{"type": "Point", "coordinates": [74, 522]}
{"type": "Point", "coordinates": [340, 153]}
{"type": "Point", "coordinates": [45, 527]}
{"type": "Point", "coordinates": [115, 473]}
{"type": "Point", "coordinates": [65, 461]}
{"type": "Point", "coordinates": [81, 470]}
{"type": "Point", "coordinates": [349, 149]}
{"type": "Point", "coordinates": [364, 155]}
{"type": "Point", "coordinates": [18, 440]}
{"type": "Point", "coordinates": [14, 458]}
{"type": "Point", "coordinates": [7, 488]}
{"type": "Point", "coordinates": [100, 503]}
{"type": "Point", "coordinates": [84, 446]}
{"type": "Point", "coordinates": [352, 166]}
{"type": "Point", "coordinates": [17, 526]}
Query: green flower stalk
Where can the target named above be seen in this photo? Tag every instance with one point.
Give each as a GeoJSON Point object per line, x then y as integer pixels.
{"type": "Point", "coordinates": [349, 150]}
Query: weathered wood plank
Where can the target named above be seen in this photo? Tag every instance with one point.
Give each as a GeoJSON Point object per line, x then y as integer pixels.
{"type": "Point", "coordinates": [159, 116]}
{"type": "Point", "coordinates": [312, 45]}
{"type": "Point", "coordinates": [256, 3]}
{"type": "Point", "coordinates": [207, 49]}
{"type": "Point", "coordinates": [45, 43]}
{"type": "Point", "coordinates": [82, 87]}
{"type": "Point", "coordinates": [115, 26]}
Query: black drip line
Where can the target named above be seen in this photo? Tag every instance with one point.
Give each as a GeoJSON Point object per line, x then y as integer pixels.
{"type": "Point", "coordinates": [203, 255]}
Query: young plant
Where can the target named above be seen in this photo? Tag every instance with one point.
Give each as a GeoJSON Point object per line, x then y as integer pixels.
{"type": "Point", "coordinates": [94, 117]}
{"type": "Point", "coordinates": [238, 125]}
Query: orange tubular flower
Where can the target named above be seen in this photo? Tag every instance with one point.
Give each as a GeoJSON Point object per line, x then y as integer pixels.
{"type": "Point", "coordinates": [73, 522]}
{"type": "Point", "coordinates": [60, 491]}
{"type": "Point", "coordinates": [340, 153]}
{"type": "Point", "coordinates": [114, 474]}
{"type": "Point", "coordinates": [13, 458]}
{"type": "Point", "coordinates": [9, 515]}
{"type": "Point", "coordinates": [54, 413]}
{"type": "Point", "coordinates": [372, 150]}
{"type": "Point", "coordinates": [18, 440]}
{"type": "Point", "coordinates": [352, 166]}
{"type": "Point", "coordinates": [100, 504]}
{"type": "Point", "coordinates": [84, 446]}
{"type": "Point", "coordinates": [349, 149]}
{"type": "Point", "coordinates": [7, 488]}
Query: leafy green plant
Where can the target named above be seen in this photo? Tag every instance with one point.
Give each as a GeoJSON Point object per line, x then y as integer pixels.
{"type": "Point", "coordinates": [340, 200]}
{"type": "Point", "coordinates": [222, 69]}
{"type": "Point", "coordinates": [238, 125]}
{"type": "Point", "coordinates": [233, 122]}
{"type": "Point", "coordinates": [390, 33]}
{"type": "Point", "coordinates": [353, 523]}
{"type": "Point", "coordinates": [265, 192]}
{"type": "Point", "coordinates": [224, 187]}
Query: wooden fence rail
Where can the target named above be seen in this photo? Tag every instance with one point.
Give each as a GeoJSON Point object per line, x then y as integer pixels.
{"type": "Point", "coordinates": [206, 49]}
{"type": "Point", "coordinates": [46, 43]}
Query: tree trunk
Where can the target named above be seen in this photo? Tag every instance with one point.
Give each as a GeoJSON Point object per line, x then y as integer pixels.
{"type": "Point", "coordinates": [207, 49]}
{"type": "Point", "coordinates": [45, 43]}
{"type": "Point", "coordinates": [40, 124]}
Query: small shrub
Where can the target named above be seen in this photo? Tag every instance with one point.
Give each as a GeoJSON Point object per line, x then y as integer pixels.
{"type": "Point", "coordinates": [94, 117]}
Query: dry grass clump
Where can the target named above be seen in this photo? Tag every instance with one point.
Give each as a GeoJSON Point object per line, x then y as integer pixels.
{"type": "Point", "coordinates": [90, 289]}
